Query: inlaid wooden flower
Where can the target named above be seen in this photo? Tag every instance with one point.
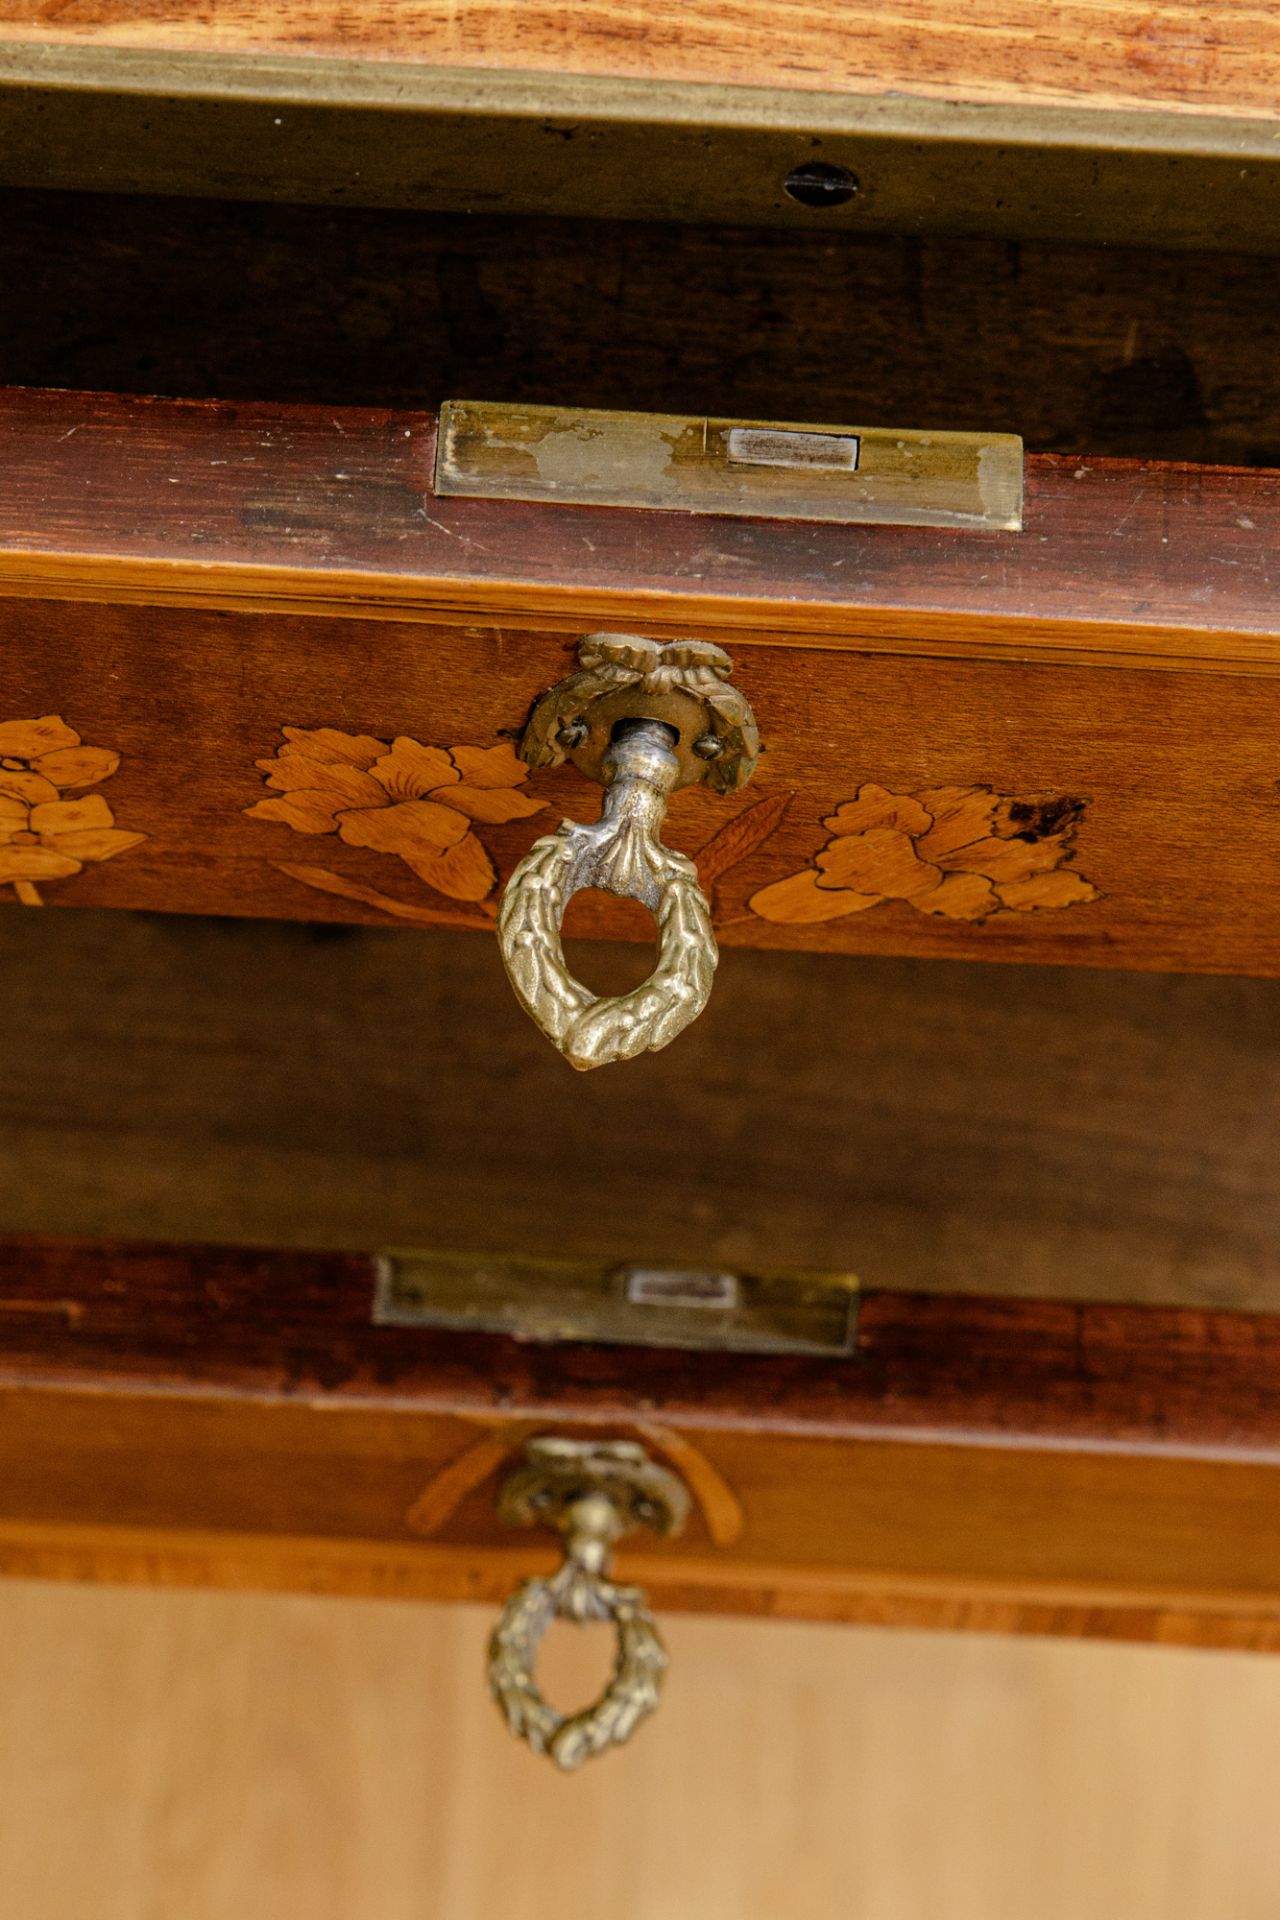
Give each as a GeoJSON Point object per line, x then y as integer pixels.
{"type": "Point", "coordinates": [43, 835]}
{"type": "Point", "coordinates": [963, 852]}
{"type": "Point", "coordinates": [418, 803]}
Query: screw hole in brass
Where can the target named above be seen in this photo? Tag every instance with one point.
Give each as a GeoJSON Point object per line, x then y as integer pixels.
{"type": "Point", "coordinates": [816, 183]}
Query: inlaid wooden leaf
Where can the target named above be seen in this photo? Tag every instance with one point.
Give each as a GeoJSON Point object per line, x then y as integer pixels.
{"type": "Point", "coordinates": [740, 837]}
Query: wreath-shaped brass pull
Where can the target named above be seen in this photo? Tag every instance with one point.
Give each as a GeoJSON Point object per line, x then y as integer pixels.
{"type": "Point", "coordinates": [644, 719]}
{"type": "Point", "coordinates": [591, 1492]}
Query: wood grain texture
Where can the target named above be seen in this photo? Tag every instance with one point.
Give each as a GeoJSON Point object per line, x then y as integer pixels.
{"type": "Point", "coordinates": [1098, 351]}
{"type": "Point", "coordinates": [1029, 1131]}
{"type": "Point", "coordinates": [240, 506]}
{"type": "Point", "coordinates": [1096, 52]}
{"type": "Point", "coordinates": [228, 1754]}
{"type": "Point", "coordinates": [277, 1325]}
{"type": "Point", "coordinates": [177, 1558]}
{"type": "Point", "coordinates": [233, 1412]}
{"type": "Point", "coordinates": [1130, 629]}
{"type": "Point", "coordinates": [1149, 795]}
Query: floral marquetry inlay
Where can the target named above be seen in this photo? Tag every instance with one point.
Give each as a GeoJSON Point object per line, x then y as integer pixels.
{"type": "Point", "coordinates": [51, 828]}
{"type": "Point", "coordinates": [417, 804]}
{"type": "Point", "coordinates": [965, 853]}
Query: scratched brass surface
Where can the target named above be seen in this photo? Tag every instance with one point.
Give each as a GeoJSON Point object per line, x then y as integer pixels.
{"type": "Point", "coordinates": [694, 464]}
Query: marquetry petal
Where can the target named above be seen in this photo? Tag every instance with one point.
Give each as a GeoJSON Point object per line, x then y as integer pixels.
{"type": "Point", "coordinates": [13, 816]}
{"type": "Point", "coordinates": [490, 766]}
{"type": "Point", "coordinates": [411, 771]}
{"type": "Point", "coordinates": [413, 830]}
{"type": "Point", "coordinates": [344, 784]}
{"type": "Point", "coordinates": [960, 896]}
{"type": "Point", "coordinates": [877, 807]}
{"type": "Point", "coordinates": [493, 805]}
{"type": "Point", "coordinates": [798, 901]}
{"type": "Point", "coordinates": [28, 739]}
{"type": "Point", "coordinates": [35, 863]}
{"type": "Point", "coordinates": [961, 815]}
{"type": "Point", "coordinates": [1003, 860]}
{"type": "Point", "coordinates": [97, 843]}
{"type": "Point", "coordinates": [77, 766]}
{"type": "Point", "coordinates": [29, 787]}
{"type": "Point", "coordinates": [305, 812]}
{"type": "Point", "coordinates": [465, 872]}
{"type": "Point", "coordinates": [881, 861]}
{"type": "Point", "coordinates": [1047, 890]}
{"type": "Point", "coordinates": [57, 817]}
{"type": "Point", "coordinates": [329, 744]}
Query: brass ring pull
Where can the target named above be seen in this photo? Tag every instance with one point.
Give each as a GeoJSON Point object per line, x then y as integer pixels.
{"type": "Point", "coordinates": [623, 854]}
{"type": "Point", "coordinates": [591, 1492]}
{"type": "Point", "coordinates": [644, 719]}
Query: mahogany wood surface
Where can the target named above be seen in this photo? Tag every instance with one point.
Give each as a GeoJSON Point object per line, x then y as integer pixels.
{"type": "Point", "coordinates": [278, 1324]}
{"type": "Point", "coordinates": [232, 506]}
{"type": "Point", "coordinates": [1046, 746]}
{"type": "Point", "coordinates": [230, 1411]}
{"type": "Point", "coordinates": [1224, 58]}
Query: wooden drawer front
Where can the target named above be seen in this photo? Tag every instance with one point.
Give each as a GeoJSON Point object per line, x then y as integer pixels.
{"type": "Point", "coordinates": [234, 1417]}
{"type": "Point", "coordinates": [238, 648]}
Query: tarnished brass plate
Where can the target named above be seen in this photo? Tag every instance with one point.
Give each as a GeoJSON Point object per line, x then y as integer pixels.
{"type": "Point", "coordinates": [770, 469]}
{"type": "Point", "coordinates": [782, 1310]}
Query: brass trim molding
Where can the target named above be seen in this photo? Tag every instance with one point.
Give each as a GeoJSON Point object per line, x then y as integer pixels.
{"type": "Point", "coordinates": [375, 133]}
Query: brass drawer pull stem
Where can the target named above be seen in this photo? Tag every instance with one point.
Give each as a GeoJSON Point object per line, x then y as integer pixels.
{"type": "Point", "coordinates": [591, 1492]}
{"type": "Point", "coordinates": [643, 719]}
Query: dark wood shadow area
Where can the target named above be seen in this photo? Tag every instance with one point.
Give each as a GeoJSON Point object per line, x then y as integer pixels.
{"type": "Point", "coordinates": [937, 1126]}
